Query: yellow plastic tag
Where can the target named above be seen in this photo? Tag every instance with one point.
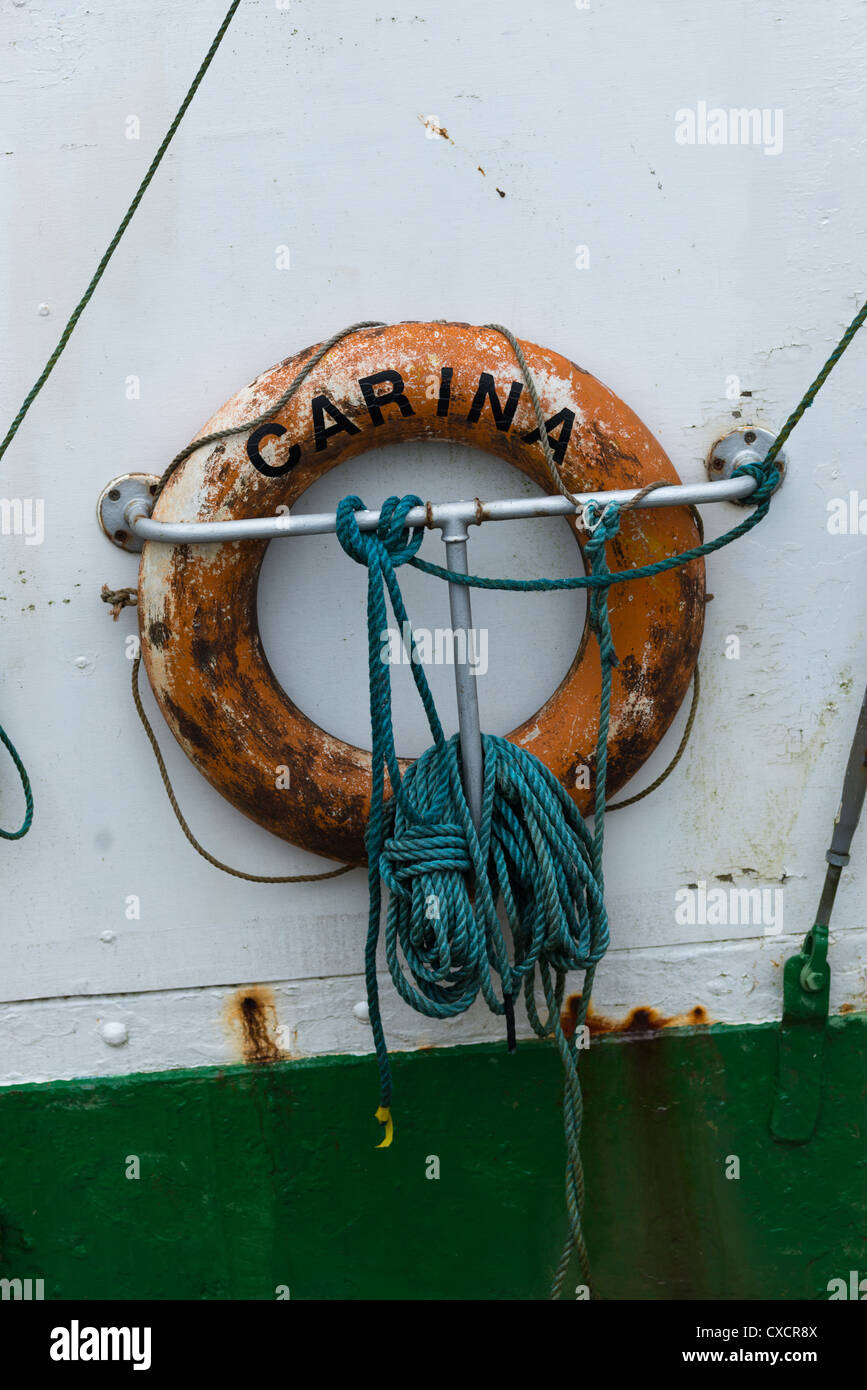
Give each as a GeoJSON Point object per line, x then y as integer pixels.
{"type": "Point", "coordinates": [383, 1114]}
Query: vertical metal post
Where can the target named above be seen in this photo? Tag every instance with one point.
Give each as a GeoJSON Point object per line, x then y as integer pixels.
{"type": "Point", "coordinates": [455, 537]}
{"type": "Point", "coordinates": [455, 540]}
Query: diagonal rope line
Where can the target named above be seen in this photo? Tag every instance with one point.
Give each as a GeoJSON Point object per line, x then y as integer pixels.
{"type": "Point", "coordinates": [814, 388]}
{"type": "Point", "coordinates": [67, 334]}
{"type": "Point", "coordinates": [113, 244]}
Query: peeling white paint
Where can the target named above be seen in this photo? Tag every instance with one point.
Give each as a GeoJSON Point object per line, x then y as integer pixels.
{"type": "Point", "coordinates": [678, 298]}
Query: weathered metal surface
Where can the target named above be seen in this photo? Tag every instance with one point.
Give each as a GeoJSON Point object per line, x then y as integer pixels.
{"type": "Point", "coordinates": [642, 1021]}
{"type": "Point", "coordinates": [250, 1017]}
{"type": "Point", "coordinates": [197, 607]}
{"type": "Point", "coordinates": [258, 1176]}
{"type": "Point", "coordinates": [383, 222]}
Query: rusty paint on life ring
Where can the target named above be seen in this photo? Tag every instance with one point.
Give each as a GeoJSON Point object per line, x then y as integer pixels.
{"type": "Point", "coordinates": [197, 604]}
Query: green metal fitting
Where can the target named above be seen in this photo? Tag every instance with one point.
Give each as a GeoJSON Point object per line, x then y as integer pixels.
{"type": "Point", "coordinates": [806, 988]}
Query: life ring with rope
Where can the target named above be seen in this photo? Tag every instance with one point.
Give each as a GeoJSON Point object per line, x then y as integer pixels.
{"type": "Point", "coordinates": [380, 385]}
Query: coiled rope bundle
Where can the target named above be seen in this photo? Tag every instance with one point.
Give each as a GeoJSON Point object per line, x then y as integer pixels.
{"type": "Point", "coordinates": [444, 940]}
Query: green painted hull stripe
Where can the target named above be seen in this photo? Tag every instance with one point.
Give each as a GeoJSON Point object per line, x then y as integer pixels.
{"type": "Point", "coordinates": [256, 1177]}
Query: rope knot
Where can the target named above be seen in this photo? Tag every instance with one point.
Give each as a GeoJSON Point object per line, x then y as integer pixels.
{"type": "Point", "coordinates": [392, 541]}
{"type": "Point", "coordinates": [119, 599]}
{"type": "Point", "coordinates": [767, 477]}
{"type": "Point", "coordinates": [419, 852]}
{"type": "Point", "coordinates": [605, 529]}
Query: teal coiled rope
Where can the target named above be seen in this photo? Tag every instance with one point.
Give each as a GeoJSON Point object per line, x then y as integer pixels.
{"type": "Point", "coordinates": [532, 851]}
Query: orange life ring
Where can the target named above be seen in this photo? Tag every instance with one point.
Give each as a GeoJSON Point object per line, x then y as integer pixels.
{"type": "Point", "coordinates": [197, 604]}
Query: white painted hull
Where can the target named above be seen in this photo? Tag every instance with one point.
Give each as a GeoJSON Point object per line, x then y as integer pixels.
{"type": "Point", "coordinates": [705, 263]}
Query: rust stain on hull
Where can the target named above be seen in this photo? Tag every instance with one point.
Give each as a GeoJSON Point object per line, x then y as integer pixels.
{"type": "Point", "coordinates": [197, 605]}
{"type": "Point", "coordinates": [640, 1022]}
{"type": "Point", "coordinates": [251, 1019]}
